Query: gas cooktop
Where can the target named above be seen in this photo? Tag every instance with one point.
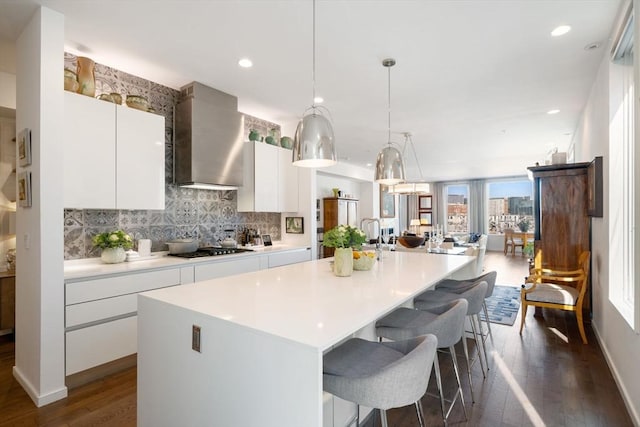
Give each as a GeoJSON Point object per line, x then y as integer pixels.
{"type": "Point", "coordinates": [211, 251]}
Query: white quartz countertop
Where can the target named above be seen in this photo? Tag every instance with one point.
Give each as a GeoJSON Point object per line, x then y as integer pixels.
{"type": "Point", "coordinates": [307, 303]}
{"type": "Point", "coordinates": [94, 267]}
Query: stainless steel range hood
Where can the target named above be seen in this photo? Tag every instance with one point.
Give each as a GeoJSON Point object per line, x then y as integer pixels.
{"type": "Point", "coordinates": [209, 133]}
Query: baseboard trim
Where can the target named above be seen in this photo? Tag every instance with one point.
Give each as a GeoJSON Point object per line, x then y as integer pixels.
{"type": "Point", "coordinates": [635, 417]}
{"type": "Point", "coordinates": [38, 400]}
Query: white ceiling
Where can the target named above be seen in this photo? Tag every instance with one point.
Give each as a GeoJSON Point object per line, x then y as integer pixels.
{"type": "Point", "coordinates": [473, 80]}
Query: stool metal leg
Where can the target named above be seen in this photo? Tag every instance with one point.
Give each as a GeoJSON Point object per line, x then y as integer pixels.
{"type": "Point", "coordinates": [420, 413]}
{"type": "Point", "coordinates": [466, 356]}
{"type": "Point", "coordinates": [484, 347]}
{"type": "Point", "coordinates": [478, 341]}
{"type": "Point", "coordinates": [436, 367]}
{"type": "Point", "coordinates": [486, 316]}
{"type": "Point", "coordinates": [383, 417]}
{"type": "Point", "coordinates": [452, 349]}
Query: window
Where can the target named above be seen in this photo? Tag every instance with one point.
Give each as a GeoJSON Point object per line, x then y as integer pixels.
{"type": "Point", "coordinates": [510, 204]}
{"type": "Point", "coordinates": [622, 161]}
{"type": "Point", "coordinates": [457, 208]}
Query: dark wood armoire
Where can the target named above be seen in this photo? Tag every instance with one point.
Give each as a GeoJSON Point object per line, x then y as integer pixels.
{"type": "Point", "coordinates": [339, 211]}
{"type": "Point", "coordinates": [562, 223]}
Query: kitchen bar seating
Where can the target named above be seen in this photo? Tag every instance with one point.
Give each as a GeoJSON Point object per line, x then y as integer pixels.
{"type": "Point", "coordinates": [457, 286]}
{"type": "Point", "coordinates": [446, 323]}
{"type": "Point", "coordinates": [430, 300]}
{"type": "Point", "coordinates": [381, 375]}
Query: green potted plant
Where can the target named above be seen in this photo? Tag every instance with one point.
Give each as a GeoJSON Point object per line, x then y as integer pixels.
{"type": "Point", "coordinates": [528, 250]}
{"type": "Point", "coordinates": [113, 245]}
{"type": "Point", "coordinates": [524, 225]}
{"type": "Point", "coordinates": [343, 239]}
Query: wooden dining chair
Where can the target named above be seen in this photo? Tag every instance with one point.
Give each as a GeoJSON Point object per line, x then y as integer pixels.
{"type": "Point", "coordinates": [559, 289]}
{"type": "Point", "coordinates": [508, 240]}
{"type": "Point", "coordinates": [518, 241]}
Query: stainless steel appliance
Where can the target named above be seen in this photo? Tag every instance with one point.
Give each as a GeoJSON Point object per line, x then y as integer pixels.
{"type": "Point", "coordinates": [211, 251]}
{"type": "Point", "coordinates": [208, 149]}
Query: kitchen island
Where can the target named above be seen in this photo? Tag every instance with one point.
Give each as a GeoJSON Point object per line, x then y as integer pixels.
{"type": "Point", "coordinates": [256, 357]}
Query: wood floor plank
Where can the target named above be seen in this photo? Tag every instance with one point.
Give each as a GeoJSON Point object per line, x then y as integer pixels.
{"type": "Point", "coordinates": [544, 377]}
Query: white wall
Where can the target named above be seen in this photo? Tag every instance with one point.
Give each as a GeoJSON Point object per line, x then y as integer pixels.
{"type": "Point", "coordinates": [619, 342]}
{"type": "Point", "coordinates": [39, 271]}
{"type": "Point", "coordinates": [7, 90]}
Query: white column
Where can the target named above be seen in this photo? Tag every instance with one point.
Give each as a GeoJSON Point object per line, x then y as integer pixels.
{"type": "Point", "coordinates": [39, 235]}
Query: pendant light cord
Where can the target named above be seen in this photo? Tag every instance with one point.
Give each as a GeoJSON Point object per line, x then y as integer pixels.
{"type": "Point", "coordinates": [313, 71]}
{"type": "Point", "coordinates": [389, 104]}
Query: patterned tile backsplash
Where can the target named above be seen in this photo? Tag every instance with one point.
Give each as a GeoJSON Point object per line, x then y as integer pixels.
{"type": "Point", "coordinates": [202, 214]}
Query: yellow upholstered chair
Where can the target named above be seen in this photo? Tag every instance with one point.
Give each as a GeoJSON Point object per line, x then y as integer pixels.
{"type": "Point", "coordinates": [561, 289]}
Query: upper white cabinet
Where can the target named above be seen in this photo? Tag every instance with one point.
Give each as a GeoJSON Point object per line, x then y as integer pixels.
{"type": "Point", "coordinates": [113, 156]}
{"type": "Point", "coordinates": [270, 182]}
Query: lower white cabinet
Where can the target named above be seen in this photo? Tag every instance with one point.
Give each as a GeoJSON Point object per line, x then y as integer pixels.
{"type": "Point", "coordinates": [102, 343]}
{"type": "Point", "coordinates": [101, 315]}
{"type": "Point", "coordinates": [228, 268]}
{"type": "Point", "coordinates": [289, 257]}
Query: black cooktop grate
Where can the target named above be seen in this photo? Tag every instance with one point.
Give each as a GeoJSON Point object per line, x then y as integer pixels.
{"type": "Point", "coordinates": [211, 251]}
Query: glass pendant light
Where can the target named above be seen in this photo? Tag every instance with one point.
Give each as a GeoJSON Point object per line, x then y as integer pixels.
{"type": "Point", "coordinates": [411, 186]}
{"type": "Point", "coordinates": [389, 165]}
{"type": "Point", "coordinates": [313, 144]}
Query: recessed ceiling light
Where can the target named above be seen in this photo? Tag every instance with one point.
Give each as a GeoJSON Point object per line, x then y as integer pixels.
{"type": "Point", "coordinates": [553, 111]}
{"type": "Point", "coordinates": [369, 165]}
{"type": "Point", "coordinates": [562, 29]}
{"type": "Point", "coordinates": [245, 63]}
{"type": "Point", "coordinates": [318, 100]}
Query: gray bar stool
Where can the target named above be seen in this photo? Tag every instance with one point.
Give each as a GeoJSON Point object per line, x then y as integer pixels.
{"type": "Point", "coordinates": [475, 297]}
{"type": "Point", "coordinates": [380, 375]}
{"type": "Point", "coordinates": [457, 286]}
{"type": "Point", "coordinates": [446, 323]}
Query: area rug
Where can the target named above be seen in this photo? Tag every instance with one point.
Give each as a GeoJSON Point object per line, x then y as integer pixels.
{"type": "Point", "coordinates": [503, 305]}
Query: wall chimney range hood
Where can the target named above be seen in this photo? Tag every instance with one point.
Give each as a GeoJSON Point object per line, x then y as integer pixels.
{"type": "Point", "coordinates": [209, 137]}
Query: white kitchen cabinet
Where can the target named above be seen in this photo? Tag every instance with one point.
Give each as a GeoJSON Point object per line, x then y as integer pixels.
{"type": "Point", "coordinates": [228, 268]}
{"type": "Point", "coordinates": [288, 181]}
{"type": "Point", "coordinates": [270, 181]}
{"type": "Point", "coordinates": [101, 343]}
{"type": "Point", "coordinates": [139, 159]}
{"type": "Point", "coordinates": [289, 257]}
{"type": "Point", "coordinates": [113, 156]}
{"type": "Point", "coordinates": [89, 153]}
{"type": "Point", "coordinates": [101, 315]}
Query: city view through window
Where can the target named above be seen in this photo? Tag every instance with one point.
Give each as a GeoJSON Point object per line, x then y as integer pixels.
{"type": "Point", "coordinates": [509, 206]}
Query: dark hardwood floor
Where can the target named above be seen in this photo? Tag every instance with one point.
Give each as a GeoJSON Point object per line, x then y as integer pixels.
{"type": "Point", "coordinates": [547, 377]}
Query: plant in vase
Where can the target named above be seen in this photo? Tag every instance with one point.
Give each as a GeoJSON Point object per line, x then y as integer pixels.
{"type": "Point", "coordinates": [113, 245]}
{"type": "Point", "coordinates": [524, 225]}
{"type": "Point", "coordinates": [344, 239]}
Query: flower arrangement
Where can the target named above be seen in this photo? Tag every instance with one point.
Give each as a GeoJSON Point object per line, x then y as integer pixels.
{"type": "Point", "coordinates": [344, 236]}
{"type": "Point", "coordinates": [113, 239]}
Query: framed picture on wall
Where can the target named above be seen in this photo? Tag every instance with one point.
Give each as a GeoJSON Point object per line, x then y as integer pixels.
{"type": "Point", "coordinates": [426, 218]}
{"type": "Point", "coordinates": [387, 203]}
{"type": "Point", "coordinates": [294, 224]}
{"type": "Point", "coordinates": [24, 189]}
{"type": "Point", "coordinates": [594, 184]}
{"type": "Point", "coordinates": [24, 147]}
{"type": "Point", "coordinates": [424, 202]}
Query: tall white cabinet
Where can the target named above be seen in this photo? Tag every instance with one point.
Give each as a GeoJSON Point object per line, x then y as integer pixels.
{"type": "Point", "coordinates": [270, 181]}
{"type": "Point", "coordinates": [113, 156]}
